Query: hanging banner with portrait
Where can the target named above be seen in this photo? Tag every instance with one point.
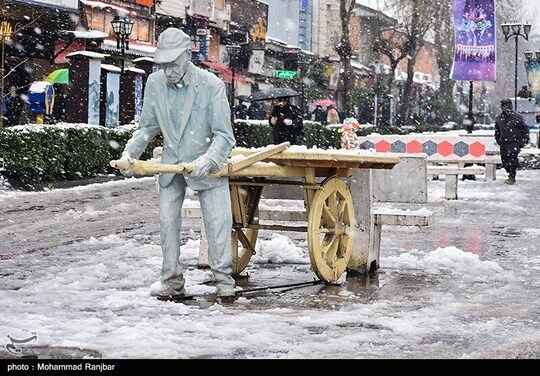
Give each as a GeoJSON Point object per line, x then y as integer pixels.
{"type": "Point", "coordinates": [532, 68]}
{"type": "Point", "coordinates": [474, 29]}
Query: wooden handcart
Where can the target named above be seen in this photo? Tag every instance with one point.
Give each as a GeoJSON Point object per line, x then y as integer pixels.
{"type": "Point", "coordinates": [328, 201]}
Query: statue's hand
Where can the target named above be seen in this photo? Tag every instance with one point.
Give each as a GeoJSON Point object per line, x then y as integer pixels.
{"type": "Point", "coordinates": [128, 173]}
{"type": "Point", "coordinates": [203, 166]}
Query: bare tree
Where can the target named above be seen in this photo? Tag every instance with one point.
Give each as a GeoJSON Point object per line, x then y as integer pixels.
{"type": "Point", "coordinates": [344, 49]}
{"type": "Point", "coordinates": [405, 42]}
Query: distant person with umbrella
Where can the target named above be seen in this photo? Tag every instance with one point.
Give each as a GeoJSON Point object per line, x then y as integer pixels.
{"type": "Point", "coordinates": [319, 114]}
{"type": "Point", "coordinates": [256, 111]}
{"type": "Point", "coordinates": [286, 122]}
{"type": "Point", "coordinates": [240, 111]}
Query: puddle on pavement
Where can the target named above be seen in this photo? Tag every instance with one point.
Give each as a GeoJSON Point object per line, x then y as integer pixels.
{"type": "Point", "coordinates": [284, 286]}
{"type": "Point", "coordinates": [506, 232]}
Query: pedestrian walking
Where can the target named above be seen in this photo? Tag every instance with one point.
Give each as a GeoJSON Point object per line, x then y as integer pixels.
{"type": "Point", "coordinates": [286, 122]}
{"type": "Point", "coordinates": [189, 107]}
{"type": "Point", "coordinates": [319, 115]}
{"type": "Point", "coordinates": [332, 115]}
{"type": "Point", "coordinates": [240, 111]}
{"type": "Point", "coordinates": [511, 134]}
{"type": "Point", "coordinates": [525, 93]}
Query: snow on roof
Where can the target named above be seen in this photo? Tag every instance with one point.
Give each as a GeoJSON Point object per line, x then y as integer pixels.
{"type": "Point", "coordinates": [144, 58]}
{"type": "Point", "coordinates": [135, 47]}
{"type": "Point", "coordinates": [111, 68]}
{"type": "Point", "coordinates": [136, 70]}
{"type": "Point", "coordinates": [86, 34]}
{"type": "Point", "coordinates": [91, 54]}
{"type": "Point", "coordinates": [103, 6]}
{"type": "Point", "coordinates": [39, 86]}
{"type": "Point", "coordinates": [356, 64]}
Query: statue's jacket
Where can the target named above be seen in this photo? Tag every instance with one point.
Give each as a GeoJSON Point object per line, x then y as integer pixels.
{"type": "Point", "coordinates": [194, 120]}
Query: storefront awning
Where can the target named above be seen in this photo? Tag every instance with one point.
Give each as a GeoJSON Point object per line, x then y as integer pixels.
{"type": "Point", "coordinates": [225, 73]}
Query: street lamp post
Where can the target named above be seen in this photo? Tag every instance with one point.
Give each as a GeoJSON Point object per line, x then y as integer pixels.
{"type": "Point", "coordinates": [515, 30]}
{"type": "Point", "coordinates": [232, 51]}
{"type": "Point", "coordinates": [122, 28]}
{"type": "Point", "coordinates": [301, 67]}
{"type": "Point", "coordinates": [377, 70]}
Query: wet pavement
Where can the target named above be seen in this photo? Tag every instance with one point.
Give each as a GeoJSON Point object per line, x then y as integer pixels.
{"type": "Point", "coordinates": [493, 220]}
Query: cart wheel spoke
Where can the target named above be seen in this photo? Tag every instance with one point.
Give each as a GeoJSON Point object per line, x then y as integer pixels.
{"type": "Point", "coordinates": [243, 247]}
{"type": "Point", "coordinates": [327, 216]}
{"type": "Point", "coordinates": [331, 250]}
{"type": "Point", "coordinates": [329, 223]}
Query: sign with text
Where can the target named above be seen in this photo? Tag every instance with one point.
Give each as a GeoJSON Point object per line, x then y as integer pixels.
{"type": "Point", "coordinates": [287, 74]}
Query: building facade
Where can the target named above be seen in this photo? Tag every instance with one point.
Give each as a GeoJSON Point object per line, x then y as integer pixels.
{"type": "Point", "coordinates": [267, 36]}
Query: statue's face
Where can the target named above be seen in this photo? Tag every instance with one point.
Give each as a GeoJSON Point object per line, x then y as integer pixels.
{"type": "Point", "coordinates": [175, 70]}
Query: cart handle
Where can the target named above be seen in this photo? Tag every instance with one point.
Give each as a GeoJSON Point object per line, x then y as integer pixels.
{"type": "Point", "coordinates": [150, 168]}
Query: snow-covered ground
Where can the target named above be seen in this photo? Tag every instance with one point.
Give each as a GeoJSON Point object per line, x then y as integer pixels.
{"type": "Point", "coordinates": [466, 287]}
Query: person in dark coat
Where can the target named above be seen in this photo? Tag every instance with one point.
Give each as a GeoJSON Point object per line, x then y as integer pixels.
{"type": "Point", "coordinates": [256, 111]}
{"type": "Point", "coordinates": [240, 111]}
{"type": "Point", "coordinates": [286, 122]}
{"type": "Point", "coordinates": [511, 134]}
{"type": "Point", "coordinates": [319, 114]}
{"type": "Point", "coordinates": [525, 93]}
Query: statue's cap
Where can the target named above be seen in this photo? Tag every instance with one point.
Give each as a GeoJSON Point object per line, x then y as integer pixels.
{"type": "Point", "coordinates": [171, 43]}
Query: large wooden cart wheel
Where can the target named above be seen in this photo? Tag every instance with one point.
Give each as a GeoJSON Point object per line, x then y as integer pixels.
{"type": "Point", "coordinates": [330, 225]}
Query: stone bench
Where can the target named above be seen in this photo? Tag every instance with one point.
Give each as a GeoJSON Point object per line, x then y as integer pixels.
{"type": "Point", "coordinates": [395, 217]}
{"type": "Point", "coordinates": [451, 177]}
